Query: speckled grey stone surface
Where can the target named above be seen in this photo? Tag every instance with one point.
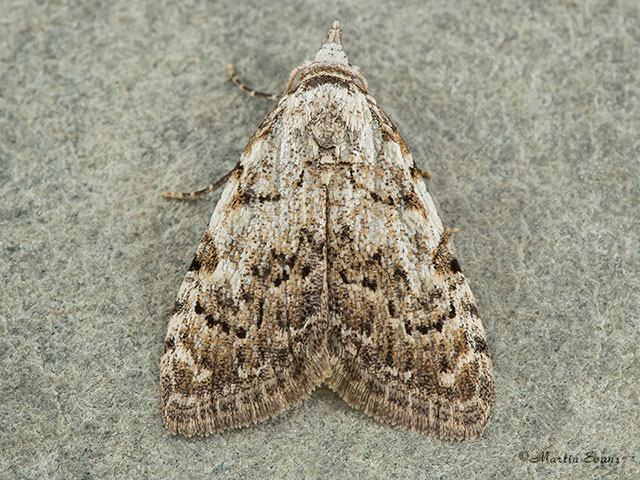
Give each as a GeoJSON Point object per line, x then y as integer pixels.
{"type": "Point", "coordinates": [526, 113]}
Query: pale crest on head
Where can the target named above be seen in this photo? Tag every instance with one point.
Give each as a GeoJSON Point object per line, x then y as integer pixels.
{"type": "Point", "coordinates": [331, 51]}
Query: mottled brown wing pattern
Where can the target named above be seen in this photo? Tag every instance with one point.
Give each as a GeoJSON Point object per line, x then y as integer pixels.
{"type": "Point", "coordinates": [325, 261]}
{"type": "Point", "coordinates": [248, 333]}
{"type": "Point", "coordinates": [407, 343]}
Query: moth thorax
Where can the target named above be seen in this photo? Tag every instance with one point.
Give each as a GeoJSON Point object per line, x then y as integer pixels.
{"type": "Point", "coordinates": [328, 130]}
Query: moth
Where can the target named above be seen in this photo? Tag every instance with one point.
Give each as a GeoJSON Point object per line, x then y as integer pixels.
{"type": "Point", "coordinates": [325, 262]}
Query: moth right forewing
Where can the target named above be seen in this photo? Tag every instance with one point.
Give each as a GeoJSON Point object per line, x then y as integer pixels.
{"type": "Point", "coordinates": [408, 345]}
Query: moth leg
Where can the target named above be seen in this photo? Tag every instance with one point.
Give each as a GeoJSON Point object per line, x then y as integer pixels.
{"type": "Point", "coordinates": [451, 230]}
{"type": "Point", "coordinates": [250, 91]}
{"type": "Point", "coordinates": [424, 173]}
{"type": "Point", "coordinates": [191, 195]}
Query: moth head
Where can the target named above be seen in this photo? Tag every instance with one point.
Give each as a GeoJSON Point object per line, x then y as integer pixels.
{"type": "Point", "coordinates": [331, 51]}
{"type": "Point", "coordinates": [330, 60]}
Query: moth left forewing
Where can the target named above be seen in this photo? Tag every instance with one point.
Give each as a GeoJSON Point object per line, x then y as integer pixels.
{"type": "Point", "coordinates": [408, 343]}
{"type": "Point", "coordinates": [246, 339]}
